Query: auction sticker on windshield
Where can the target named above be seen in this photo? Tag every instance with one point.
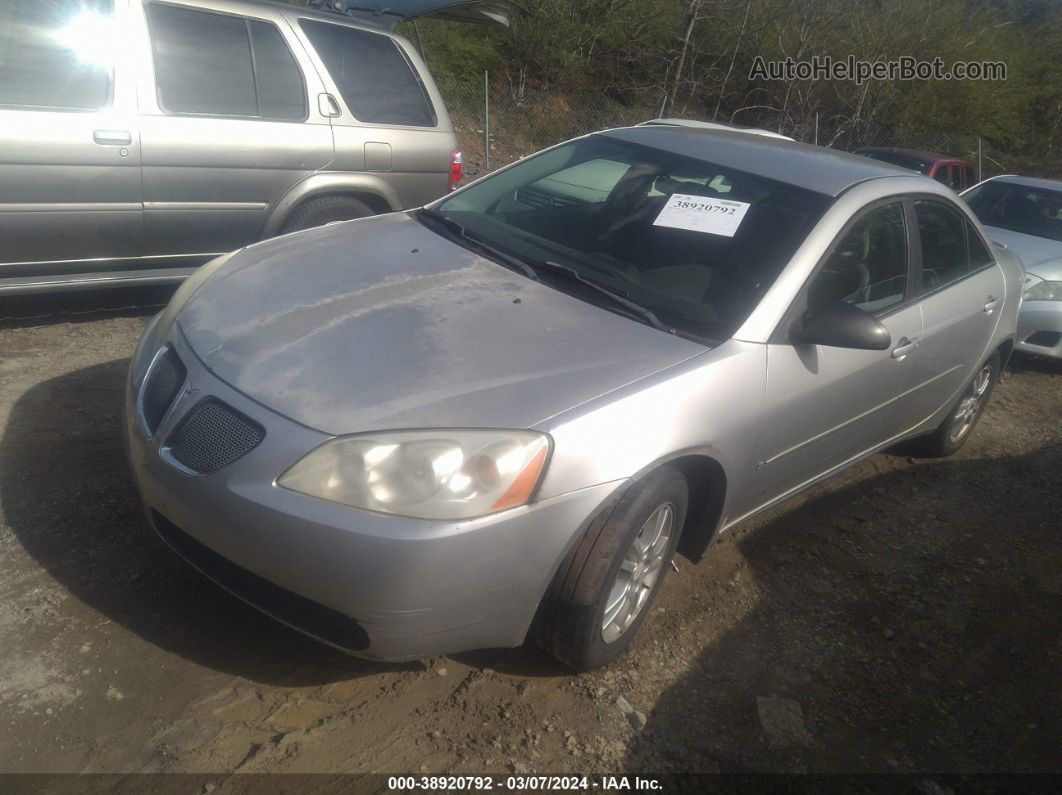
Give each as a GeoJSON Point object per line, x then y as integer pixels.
{"type": "Point", "coordinates": [702, 214]}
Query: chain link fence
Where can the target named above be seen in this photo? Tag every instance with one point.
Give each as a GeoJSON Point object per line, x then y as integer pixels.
{"type": "Point", "coordinates": [497, 125]}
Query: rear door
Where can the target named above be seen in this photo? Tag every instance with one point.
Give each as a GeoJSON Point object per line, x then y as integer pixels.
{"type": "Point", "coordinates": [69, 145]}
{"type": "Point", "coordinates": [827, 405]}
{"type": "Point", "coordinates": [229, 125]}
{"type": "Point", "coordinates": [961, 291]}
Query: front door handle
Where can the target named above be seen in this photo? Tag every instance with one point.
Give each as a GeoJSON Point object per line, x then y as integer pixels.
{"type": "Point", "coordinates": [112, 137]}
{"type": "Point", "coordinates": [904, 348]}
{"type": "Point", "coordinates": [991, 303]}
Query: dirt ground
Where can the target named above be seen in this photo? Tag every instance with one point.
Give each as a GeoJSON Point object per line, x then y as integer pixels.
{"type": "Point", "coordinates": [904, 617]}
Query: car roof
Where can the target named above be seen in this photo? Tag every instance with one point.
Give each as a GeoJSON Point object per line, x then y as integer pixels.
{"type": "Point", "coordinates": [713, 125]}
{"type": "Point", "coordinates": [919, 154]}
{"type": "Point", "coordinates": [816, 168]}
{"type": "Point", "coordinates": [1029, 182]}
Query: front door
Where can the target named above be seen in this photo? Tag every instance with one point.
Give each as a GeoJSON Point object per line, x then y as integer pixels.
{"type": "Point", "coordinates": [69, 147]}
{"type": "Point", "coordinates": [828, 405]}
{"type": "Point", "coordinates": [228, 127]}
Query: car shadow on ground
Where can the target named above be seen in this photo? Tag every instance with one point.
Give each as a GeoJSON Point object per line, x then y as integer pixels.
{"type": "Point", "coordinates": [913, 617]}
{"type": "Point", "coordinates": [69, 498]}
{"type": "Point", "coordinates": [1026, 363]}
{"type": "Point", "coordinates": [22, 311]}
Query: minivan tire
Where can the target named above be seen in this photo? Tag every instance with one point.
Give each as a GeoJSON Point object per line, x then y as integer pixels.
{"type": "Point", "coordinates": [569, 623]}
{"type": "Point", "coordinates": [958, 425]}
{"type": "Point", "coordinates": [318, 212]}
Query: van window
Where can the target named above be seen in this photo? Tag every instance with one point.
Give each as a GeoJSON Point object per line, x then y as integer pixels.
{"type": "Point", "coordinates": [376, 80]}
{"type": "Point", "coordinates": [220, 65]}
{"type": "Point", "coordinates": [55, 54]}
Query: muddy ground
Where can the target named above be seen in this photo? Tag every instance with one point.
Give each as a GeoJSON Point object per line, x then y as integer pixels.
{"type": "Point", "coordinates": [904, 617]}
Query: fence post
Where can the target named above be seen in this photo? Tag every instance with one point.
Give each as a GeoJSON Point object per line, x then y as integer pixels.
{"type": "Point", "coordinates": [486, 116]}
{"type": "Point", "coordinates": [979, 177]}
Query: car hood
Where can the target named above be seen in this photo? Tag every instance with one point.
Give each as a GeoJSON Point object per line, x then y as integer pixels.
{"type": "Point", "coordinates": [1040, 256]}
{"type": "Point", "coordinates": [381, 323]}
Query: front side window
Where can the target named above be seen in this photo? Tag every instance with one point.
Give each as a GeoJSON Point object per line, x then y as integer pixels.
{"type": "Point", "coordinates": [694, 242]}
{"type": "Point", "coordinates": [1018, 208]}
{"type": "Point", "coordinates": [373, 75]}
{"type": "Point", "coordinates": [220, 65]}
{"type": "Point", "coordinates": [868, 266]}
{"type": "Point", "coordinates": [56, 54]}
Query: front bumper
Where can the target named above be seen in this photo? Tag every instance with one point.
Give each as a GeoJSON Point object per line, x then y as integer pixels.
{"type": "Point", "coordinates": [382, 587]}
{"type": "Point", "coordinates": [1040, 328]}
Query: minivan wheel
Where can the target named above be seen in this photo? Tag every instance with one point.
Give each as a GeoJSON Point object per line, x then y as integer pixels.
{"type": "Point", "coordinates": [605, 586]}
{"type": "Point", "coordinates": [325, 210]}
{"type": "Point", "coordinates": [963, 416]}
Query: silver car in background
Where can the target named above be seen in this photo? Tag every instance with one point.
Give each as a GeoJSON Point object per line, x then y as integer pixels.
{"type": "Point", "coordinates": [1024, 214]}
{"type": "Point", "coordinates": [502, 414]}
{"type": "Point", "coordinates": [139, 139]}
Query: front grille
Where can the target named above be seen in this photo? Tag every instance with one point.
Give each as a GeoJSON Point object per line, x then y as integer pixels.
{"type": "Point", "coordinates": [297, 611]}
{"type": "Point", "coordinates": [212, 436]}
{"type": "Point", "coordinates": [1048, 339]}
{"type": "Point", "coordinates": [161, 387]}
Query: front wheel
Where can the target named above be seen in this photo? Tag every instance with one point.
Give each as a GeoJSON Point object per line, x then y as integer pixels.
{"type": "Point", "coordinates": [606, 585]}
{"type": "Point", "coordinates": [963, 416]}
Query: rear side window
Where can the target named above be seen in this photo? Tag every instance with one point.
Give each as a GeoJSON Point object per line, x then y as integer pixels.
{"type": "Point", "coordinates": [220, 65]}
{"type": "Point", "coordinates": [377, 81]}
{"type": "Point", "coordinates": [56, 54]}
{"type": "Point", "coordinates": [950, 246]}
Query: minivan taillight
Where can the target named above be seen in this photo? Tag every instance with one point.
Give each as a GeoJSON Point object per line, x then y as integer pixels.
{"type": "Point", "coordinates": [455, 169]}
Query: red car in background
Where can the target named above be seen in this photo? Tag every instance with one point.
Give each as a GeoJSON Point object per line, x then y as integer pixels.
{"type": "Point", "coordinates": [956, 174]}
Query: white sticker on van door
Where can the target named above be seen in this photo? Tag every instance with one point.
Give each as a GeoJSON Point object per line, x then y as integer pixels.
{"type": "Point", "coordinates": [702, 214]}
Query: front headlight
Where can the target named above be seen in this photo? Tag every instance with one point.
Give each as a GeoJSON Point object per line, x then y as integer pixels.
{"type": "Point", "coordinates": [439, 474]}
{"type": "Point", "coordinates": [1044, 291]}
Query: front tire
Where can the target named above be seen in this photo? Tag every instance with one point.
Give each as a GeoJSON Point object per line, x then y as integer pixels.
{"type": "Point", "coordinates": [605, 586]}
{"type": "Point", "coordinates": [958, 425]}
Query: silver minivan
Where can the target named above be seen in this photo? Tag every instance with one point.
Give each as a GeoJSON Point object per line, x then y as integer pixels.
{"type": "Point", "coordinates": [139, 138]}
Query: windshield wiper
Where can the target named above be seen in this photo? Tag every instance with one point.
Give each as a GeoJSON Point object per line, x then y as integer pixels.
{"type": "Point", "coordinates": [507, 259]}
{"type": "Point", "coordinates": [571, 273]}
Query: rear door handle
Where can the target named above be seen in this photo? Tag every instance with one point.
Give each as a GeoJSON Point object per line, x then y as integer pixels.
{"type": "Point", "coordinates": [904, 348]}
{"type": "Point", "coordinates": [991, 303]}
{"type": "Point", "coordinates": [112, 137]}
{"type": "Point", "coordinates": [327, 106]}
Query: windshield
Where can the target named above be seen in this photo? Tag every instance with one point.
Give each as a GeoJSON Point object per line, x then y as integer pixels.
{"type": "Point", "coordinates": [1018, 208]}
{"type": "Point", "coordinates": [693, 245]}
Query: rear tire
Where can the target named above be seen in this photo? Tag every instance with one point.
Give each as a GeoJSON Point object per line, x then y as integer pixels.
{"type": "Point", "coordinates": [318, 212]}
{"type": "Point", "coordinates": [958, 425]}
{"type": "Point", "coordinates": [606, 585]}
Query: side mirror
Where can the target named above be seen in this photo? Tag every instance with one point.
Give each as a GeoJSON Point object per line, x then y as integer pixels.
{"type": "Point", "coordinates": [842, 325]}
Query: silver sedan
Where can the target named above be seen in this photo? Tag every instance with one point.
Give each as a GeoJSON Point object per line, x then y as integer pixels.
{"type": "Point", "coordinates": [1024, 215]}
{"type": "Point", "coordinates": [500, 416]}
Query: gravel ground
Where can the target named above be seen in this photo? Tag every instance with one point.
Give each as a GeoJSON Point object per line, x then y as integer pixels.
{"type": "Point", "coordinates": [903, 617]}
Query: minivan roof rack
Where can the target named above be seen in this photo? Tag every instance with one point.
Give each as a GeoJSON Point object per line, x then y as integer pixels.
{"type": "Point", "coordinates": [388, 13]}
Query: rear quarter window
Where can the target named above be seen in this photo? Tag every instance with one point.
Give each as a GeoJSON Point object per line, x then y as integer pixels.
{"type": "Point", "coordinates": [376, 80]}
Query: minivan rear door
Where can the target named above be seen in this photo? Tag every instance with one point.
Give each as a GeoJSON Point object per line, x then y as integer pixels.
{"type": "Point", "coordinates": [229, 123]}
{"type": "Point", "coordinates": [69, 146]}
